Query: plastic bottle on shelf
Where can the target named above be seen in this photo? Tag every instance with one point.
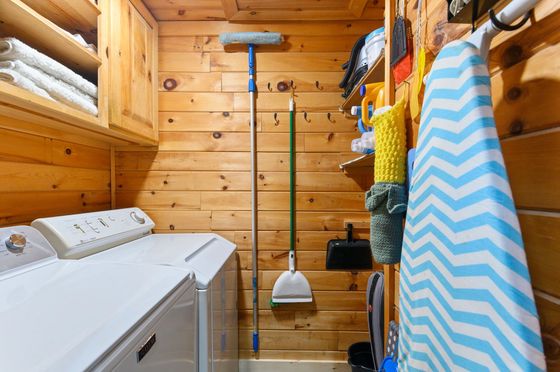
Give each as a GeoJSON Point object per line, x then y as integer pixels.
{"type": "Point", "coordinates": [368, 138]}
{"type": "Point", "coordinates": [362, 128]}
{"type": "Point", "coordinates": [357, 110]}
{"type": "Point", "coordinates": [365, 144]}
{"type": "Point", "coordinates": [358, 146]}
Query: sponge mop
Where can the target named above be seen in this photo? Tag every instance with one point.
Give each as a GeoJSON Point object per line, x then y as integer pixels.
{"type": "Point", "coordinates": [251, 39]}
{"type": "Point", "coordinates": [274, 38]}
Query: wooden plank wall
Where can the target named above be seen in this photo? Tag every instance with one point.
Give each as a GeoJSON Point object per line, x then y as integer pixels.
{"type": "Point", "coordinates": [199, 180]}
{"type": "Point", "coordinates": [50, 174]}
{"type": "Point", "coordinates": [524, 67]}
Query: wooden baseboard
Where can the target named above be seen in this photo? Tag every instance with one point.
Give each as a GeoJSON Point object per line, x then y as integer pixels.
{"type": "Point", "coordinates": [271, 365]}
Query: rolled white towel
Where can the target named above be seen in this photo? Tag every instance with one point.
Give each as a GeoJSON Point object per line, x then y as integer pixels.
{"type": "Point", "coordinates": [24, 69]}
{"type": "Point", "coordinates": [12, 77]}
{"type": "Point", "coordinates": [54, 87]}
{"type": "Point", "coordinates": [13, 49]}
{"type": "Point", "coordinates": [82, 94]}
{"type": "Point", "coordinates": [80, 39]}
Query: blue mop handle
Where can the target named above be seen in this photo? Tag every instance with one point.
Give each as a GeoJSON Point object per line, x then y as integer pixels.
{"type": "Point", "coordinates": [252, 85]}
{"type": "Point", "coordinates": [252, 90]}
{"type": "Point", "coordinates": [255, 341]}
{"type": "Point", "coordinates": [255, 306]}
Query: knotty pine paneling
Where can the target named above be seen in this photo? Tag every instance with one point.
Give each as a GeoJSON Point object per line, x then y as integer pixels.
{"type": "Point", "coordinates": [524, 67]}
{"type": "Point", "coordinates": [196, 161]}
{"type": "Point", "coordinates": [296, 43]}
{"type": "Point", "coordinates": [198, 178]}
{"type": "Point", "coordinates": [260, 11]}
{"type": "Point", "coordinates": [319, 280]}
{"type": "Point", "coordinates": [305, 240]}
{"type": "Point", "coordinates": [46, 176]}
{"type": "Point", "coordinates": [287, 29]}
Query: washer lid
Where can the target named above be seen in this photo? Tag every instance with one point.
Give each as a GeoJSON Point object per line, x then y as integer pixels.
{"type": "Point", "coordinates": [205, 254]}
{"type": "Point", "coordinates": [66, 315]}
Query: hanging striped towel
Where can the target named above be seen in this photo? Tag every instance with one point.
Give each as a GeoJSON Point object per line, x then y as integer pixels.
{"type": "Point", "coordinates": [466, 301]}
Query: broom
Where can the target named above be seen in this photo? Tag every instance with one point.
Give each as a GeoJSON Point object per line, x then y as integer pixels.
{"type": "Point", "coordinates": [291, 286]}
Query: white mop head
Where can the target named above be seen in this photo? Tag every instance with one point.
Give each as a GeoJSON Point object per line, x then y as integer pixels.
{"type": "Point", "coordinates": [274, 38]}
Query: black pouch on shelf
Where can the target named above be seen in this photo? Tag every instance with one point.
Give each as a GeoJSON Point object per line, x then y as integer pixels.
{"type": "Point", "coordinates": [349, 253]}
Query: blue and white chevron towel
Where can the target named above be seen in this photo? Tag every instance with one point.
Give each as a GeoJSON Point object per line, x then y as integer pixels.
{"type": "Point", "coordinates": [466, 300]}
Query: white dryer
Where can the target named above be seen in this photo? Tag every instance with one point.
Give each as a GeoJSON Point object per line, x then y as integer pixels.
{"type": "Point", "coordinates": [62, 315]}
{"type": "Point", "coordinates": [124, 235]}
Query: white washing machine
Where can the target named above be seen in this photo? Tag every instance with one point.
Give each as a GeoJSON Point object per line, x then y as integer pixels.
{"type": "Point", "coordinates": [62, 315]}
{"type": "Point", "coordinates": [210, 256]}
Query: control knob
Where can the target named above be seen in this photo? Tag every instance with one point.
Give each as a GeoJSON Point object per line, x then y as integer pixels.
{"type": "Point", "coordinates": [16, 242]}
{"type": "Point", "coordinates": [136, 218]}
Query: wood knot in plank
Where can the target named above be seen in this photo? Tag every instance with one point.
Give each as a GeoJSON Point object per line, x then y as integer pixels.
{"type": "Point", "coordinates": [514, 93]}
{"type": "Point", "coordinates": [512, 55]}
{"type": "Point", "coordinates": [170, 84]}
{"type": "Point", "coordinates": [516, 127]}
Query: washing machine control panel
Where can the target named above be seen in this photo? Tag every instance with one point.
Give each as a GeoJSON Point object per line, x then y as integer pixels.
{"type": "Point", "coordinates": [80, 235]}
{"type": "Point", "coordinates": [22, 246]}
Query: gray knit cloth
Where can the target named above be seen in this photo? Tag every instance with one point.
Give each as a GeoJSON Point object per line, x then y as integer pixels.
{"type": "Point", "coordinates": [387, 204]}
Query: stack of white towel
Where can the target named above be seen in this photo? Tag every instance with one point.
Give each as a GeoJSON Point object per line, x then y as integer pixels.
{"type": "Point", "coordinates": [30, 69]}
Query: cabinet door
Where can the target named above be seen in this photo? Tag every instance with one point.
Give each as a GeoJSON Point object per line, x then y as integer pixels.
{"type": "Point", "coordinates": [132, 77]}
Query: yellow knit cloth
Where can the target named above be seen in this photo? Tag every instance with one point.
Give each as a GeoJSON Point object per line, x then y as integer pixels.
{"type": "Point", "coordinates": [390, 144]}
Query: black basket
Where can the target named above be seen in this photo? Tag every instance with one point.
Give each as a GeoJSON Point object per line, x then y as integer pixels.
{"type": "Point", "coordinates": [360, 358]}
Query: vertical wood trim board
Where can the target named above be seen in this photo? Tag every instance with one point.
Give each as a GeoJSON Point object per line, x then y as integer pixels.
{"type": "Point", "coordinates": [389, 91]}
{"type": "Point", "coordinates": [113, 179]}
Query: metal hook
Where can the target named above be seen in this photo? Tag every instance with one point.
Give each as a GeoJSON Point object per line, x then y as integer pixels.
{"type": "Point", "coordinates": [329, 118]}
{"type": "Point", "coordinates": [276, 121]}
{"type": "Point", "coordinates": [505, 27]}
{"type": "Point", "coordinates": [269, 87]}
{"type": "Point", "coordinates": [292, 85]}
{"type": "Point", "coordinates": [317, 85]}
{"type": "Point", "coordinates": [305, 117]}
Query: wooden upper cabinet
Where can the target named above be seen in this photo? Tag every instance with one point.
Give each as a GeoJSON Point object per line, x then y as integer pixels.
{"type": "Point", "coordinates": [131, 68]}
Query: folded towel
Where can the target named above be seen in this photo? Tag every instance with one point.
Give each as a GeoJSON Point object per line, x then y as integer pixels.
{"type": "Point", "coordinates": [24, 69]}
{"type": "Point", "coordinates": [12, 77]}
{"type": "Point", "coordinates": [13, 49]}
{"type": "Point", "coordinates": [54, 87]}
{"type": "Point", "coordinates": [387, 204]}
{"type": "Point", "coordinates": [80, 39]}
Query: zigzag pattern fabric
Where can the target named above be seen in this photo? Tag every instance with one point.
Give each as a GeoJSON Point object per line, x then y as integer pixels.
{"type": "Point", "coordinates": [466, 301]}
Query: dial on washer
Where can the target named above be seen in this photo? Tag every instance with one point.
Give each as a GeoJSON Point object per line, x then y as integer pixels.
{"type": "Point", "coordinates": [136, 218]}
{"type": "Point", "coordinates": [16, 242]}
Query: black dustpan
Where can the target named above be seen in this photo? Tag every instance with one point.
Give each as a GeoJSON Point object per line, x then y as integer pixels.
{"type": "Point", "coordinates": [349, 253]}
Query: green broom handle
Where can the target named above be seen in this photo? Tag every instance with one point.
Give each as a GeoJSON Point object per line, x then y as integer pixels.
{"type": "Point", "coordinates": [292, 176]}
